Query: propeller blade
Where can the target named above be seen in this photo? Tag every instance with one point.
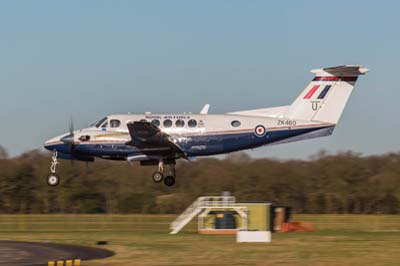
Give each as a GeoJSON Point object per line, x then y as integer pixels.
{"type": "Point", "coordinates": [69, 139]}
{"type": "Point", "coordinates": [71, 126]}
{"type": "Point", "coordinates": [72, 147]}
{"type": "Point", "coordinates": [71, 151]}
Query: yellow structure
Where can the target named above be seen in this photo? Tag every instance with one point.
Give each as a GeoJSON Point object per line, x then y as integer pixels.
{"type": "Point", "coordinates": [222, 214]}
{"type": "Point", "coordinates": [257, 217]}
{"type": "Point", "coordinates": [76, 262]}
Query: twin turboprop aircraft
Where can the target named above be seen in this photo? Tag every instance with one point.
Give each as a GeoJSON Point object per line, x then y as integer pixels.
{"type": "Point", "coordinates": [161, 139]}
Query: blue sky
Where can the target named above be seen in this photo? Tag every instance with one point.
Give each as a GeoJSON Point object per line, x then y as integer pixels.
{"type": "Point", "coordinates": [86, 59]}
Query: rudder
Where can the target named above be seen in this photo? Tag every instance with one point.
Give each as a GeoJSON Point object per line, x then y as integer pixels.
{"type": "Point", "coordinates": [327, 94]}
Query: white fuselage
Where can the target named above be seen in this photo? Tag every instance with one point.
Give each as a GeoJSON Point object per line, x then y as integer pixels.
{"type": "Point", "coordinates": [195, 134]}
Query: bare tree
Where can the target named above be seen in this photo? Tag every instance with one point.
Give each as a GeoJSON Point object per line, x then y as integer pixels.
{"type": "Point", "coordinates": [3, 153]}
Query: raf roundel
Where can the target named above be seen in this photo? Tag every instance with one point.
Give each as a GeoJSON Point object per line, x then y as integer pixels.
{"type": "Point", "coordinates": [260, 131]}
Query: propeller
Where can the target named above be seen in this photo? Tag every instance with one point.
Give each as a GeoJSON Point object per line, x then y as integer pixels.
{"type": "Point", "coordinates": [70, 140]}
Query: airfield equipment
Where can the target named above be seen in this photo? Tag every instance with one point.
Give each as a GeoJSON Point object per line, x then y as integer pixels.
{"type": "Point", "coordinates": [212, 210]}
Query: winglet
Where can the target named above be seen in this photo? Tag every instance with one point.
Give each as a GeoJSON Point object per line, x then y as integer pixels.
{"type": "Point", "coordinates": [205, 109]}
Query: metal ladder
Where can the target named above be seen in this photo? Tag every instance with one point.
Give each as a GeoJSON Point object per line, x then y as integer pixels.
{"type": "Point", "coordinates": [197, 207]}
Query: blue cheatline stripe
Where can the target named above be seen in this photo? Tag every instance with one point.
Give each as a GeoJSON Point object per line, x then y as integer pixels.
{"type": "Point", "coordinates": [195, 146]}
{"type": "Point", "coordinates": [324, 92]}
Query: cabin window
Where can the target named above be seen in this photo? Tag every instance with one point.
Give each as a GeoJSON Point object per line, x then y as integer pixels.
{"type": "Point", "coordinates": [156, 122]}
{"type": "Point", "coordinates": [235, 123]}
{"type": "Point", "coordinates": [179, 123]}
{"type": "Point", "coordinates": [192, 123]}
{"type": "Point", "coordinates": [167, 123]}
{"type": "Point", "coordinates": [114, 123]}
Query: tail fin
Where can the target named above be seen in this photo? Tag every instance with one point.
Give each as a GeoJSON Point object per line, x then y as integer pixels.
{"type": "Point", "coordinates": [326, 96]}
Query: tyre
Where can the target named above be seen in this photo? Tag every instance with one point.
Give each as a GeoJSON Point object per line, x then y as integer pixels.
{"type": "Point", "coordinates": [169, 181]}
{"type": "Point", "coordinates": [53, 180]}
{"type": "Point", "coordinates": [158, 177]}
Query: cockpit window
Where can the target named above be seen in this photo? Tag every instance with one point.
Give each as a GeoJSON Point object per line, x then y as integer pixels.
{"type": "Point", "coordinates": [115, 123]}
{"type": "Point", "coordinates": [101, 122]}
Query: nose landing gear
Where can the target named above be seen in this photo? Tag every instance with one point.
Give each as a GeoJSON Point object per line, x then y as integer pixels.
{"type": "Point", "coordinates": [158, 176]}
{"type": "Point", "coordinates": [53, 179]}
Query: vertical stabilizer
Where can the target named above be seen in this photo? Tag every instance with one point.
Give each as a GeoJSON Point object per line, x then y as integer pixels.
{"type": "Point", "coordinates": [327, 94]}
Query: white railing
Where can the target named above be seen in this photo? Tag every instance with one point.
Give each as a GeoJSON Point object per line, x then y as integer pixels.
{"type": "Point", "coordinates": [198, 206]}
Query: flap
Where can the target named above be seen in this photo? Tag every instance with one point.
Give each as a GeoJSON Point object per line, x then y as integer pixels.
{"type": "Point", "coordinates": [148, 137]}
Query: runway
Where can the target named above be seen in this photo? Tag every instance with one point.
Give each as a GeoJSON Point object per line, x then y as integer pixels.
{"type": "Point", "coordinates": [14, 253]}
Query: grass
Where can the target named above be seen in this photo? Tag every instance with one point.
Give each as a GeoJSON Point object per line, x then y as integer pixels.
{"type": "Point", "coordinates": [144, 240]}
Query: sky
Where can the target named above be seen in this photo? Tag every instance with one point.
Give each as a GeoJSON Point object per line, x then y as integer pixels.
{"type": "Point", "coordinates": [87, 59]}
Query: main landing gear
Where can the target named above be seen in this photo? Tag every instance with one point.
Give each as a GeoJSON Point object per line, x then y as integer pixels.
{"type": "Point", "coordinates": [158, 176]}
{"type": "Point", "coordinates": [53, 179]}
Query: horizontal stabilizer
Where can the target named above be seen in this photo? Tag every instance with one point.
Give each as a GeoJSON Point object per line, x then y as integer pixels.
{"type": "Point", "coordinates": [341, 71]}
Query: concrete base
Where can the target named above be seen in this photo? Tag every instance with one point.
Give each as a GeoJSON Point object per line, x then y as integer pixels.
{"type": "Point", "coordinates": [253, 236]}
{"type": "Point", "coordinates": [218, 231]}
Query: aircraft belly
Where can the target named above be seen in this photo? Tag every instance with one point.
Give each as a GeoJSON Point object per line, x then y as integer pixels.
{"type": "Point", "coordinates": [218, 144]}
{"type": "Point", "coordinates": [108, 149]}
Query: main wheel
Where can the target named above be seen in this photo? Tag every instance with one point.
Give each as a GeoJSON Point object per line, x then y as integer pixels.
{"type": "Point", "coordinates": [169, 181]}
{"type": "Point", "coordinates": [158, 177]}
{"type": "Point", "coordinates": [53, 180]}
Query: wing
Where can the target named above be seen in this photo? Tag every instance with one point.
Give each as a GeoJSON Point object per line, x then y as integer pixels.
{"type": "Point", "coordinates": [152, 141]}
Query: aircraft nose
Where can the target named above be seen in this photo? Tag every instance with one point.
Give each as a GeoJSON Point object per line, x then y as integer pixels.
{"type": "Point", "coordinates": [52, 143]}
{"type": "Point", "coordinates": [49, 144]}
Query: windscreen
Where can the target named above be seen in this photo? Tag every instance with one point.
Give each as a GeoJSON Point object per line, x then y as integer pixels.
{"type": "Point", "coordinates": [98, 124]}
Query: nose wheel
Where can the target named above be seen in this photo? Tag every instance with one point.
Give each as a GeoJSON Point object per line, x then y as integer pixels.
{"type": "Point", "coordinates": [53, 179]}
{"type": "Point", "coordinates": [158, 176]}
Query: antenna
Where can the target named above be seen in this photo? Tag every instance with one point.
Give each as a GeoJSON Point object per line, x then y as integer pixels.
{"type": "Point", "coordinates": [205, 109]}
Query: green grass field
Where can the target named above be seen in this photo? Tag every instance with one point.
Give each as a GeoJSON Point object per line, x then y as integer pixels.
{"type": "Point", "coordinates": [144, 240]}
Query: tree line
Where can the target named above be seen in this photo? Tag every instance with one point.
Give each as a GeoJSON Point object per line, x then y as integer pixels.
{"type": "Point", "coordinates": [341, 183]}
